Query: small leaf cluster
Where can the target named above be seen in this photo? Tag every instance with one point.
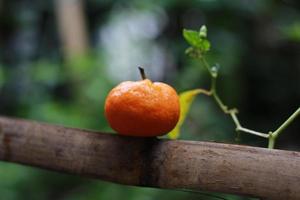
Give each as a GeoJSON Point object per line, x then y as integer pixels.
{"type": "Point", "coordinates": [198, 41]}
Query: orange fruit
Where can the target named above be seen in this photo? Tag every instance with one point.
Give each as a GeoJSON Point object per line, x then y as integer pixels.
{"type": "Point", "coordinates": [142, 108]}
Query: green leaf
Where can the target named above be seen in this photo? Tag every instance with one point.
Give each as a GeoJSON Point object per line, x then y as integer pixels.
{"type": "Point", "coordinates": [192, 37]}
{"type": "Point", "coordinates": [186, 99]}
{"type": "Point", "coordinates": [197, 39]}
{"type": "Point", "coordinates": [205, 45]}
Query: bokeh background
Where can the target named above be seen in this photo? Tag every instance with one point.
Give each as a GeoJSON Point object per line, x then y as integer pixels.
{"type": "Point", "coordinates": [59, 59]}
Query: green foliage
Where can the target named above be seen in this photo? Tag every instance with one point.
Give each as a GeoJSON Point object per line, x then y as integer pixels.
{"type": "Point", "coordinates": [292, 32]}
{"type": "Point", "coordinates": [47, 73]}
{"type": "Point", "coordinates": [198, 41]}
{"type": "Point", "coordinates": [197, 51]}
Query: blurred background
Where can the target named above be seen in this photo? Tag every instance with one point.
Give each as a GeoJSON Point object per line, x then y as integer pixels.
{"type": "Point", "coordinates": [59, 59]}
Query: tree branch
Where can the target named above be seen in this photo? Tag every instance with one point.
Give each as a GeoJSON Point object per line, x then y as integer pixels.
{"type": "Point", "coordinates": [151, 162]}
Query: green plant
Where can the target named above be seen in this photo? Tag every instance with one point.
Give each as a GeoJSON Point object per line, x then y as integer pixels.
{"type": "Point", "coordinates": [199, 46]}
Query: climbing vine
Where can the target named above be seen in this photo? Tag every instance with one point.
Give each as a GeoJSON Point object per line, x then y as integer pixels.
{"type": "Point", "coordinates": [199, 46]}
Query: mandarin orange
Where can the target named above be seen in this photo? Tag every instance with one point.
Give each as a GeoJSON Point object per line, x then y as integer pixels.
{"type": "Point", "coordinates": [142, 108]}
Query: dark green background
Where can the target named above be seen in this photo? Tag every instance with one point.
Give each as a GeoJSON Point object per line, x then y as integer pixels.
{"type": "Point", "coordinates": [257, 44]}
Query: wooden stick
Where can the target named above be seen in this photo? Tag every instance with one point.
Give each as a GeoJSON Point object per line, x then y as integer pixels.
{"type": "Point", "coordinates": [151, 162]}
{"type": "Point", "coordinates": [72, 27]}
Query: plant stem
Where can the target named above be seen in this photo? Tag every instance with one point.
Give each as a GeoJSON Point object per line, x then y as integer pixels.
{"type": "Point", "coordinates": [206, 65]}
{"type": "Point", "coordinates": [271, 143]}
{"type": "Point", "coordinates": [275, 134]}
{"type": "Point", "coordinates": [286, 123]}
{"type": "Point", "coordinates": [235, 120]}
{"type": "Point", "coordinates": [204, 91]}
{"type": "Point", "coordinates": [142, 72]}
{"type": "Point", "coordinates": [232, 112]}
{"type": "Point", "coordinates": [220, 103]}
{"type": "Point", "coordinates": [246, 130]}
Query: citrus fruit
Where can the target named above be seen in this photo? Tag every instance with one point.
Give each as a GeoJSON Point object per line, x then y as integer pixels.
{"type": "Point", "coordinates": [142, 108]}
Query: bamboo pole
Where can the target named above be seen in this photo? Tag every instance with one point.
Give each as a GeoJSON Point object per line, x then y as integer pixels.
{"type": "Point", "coordinates": [151, 162]}
{"type": "Point", "coordinates": [72, 27]}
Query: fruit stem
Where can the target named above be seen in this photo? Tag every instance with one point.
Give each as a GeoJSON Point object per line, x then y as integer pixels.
{"type": "Point", "coordinates": [142, 72]}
